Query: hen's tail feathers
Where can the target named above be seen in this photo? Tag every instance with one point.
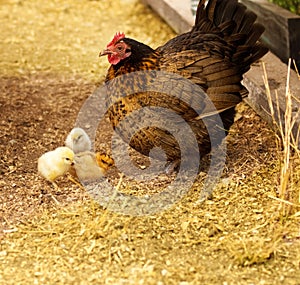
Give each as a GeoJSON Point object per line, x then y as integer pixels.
{"type": "Point", "coordinates": [236, 25]}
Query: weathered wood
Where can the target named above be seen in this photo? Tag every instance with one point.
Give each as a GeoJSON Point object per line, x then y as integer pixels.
{"type": "Point", "coordinates": [277, 78]}
{"type": "Point", "coordinates": [176, 13]}
{"type": "Point", "coordinates": [282, 34]}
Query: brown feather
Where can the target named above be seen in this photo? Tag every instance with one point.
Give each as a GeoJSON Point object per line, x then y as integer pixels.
{"type": "Point", "coordinates": [214, 55]}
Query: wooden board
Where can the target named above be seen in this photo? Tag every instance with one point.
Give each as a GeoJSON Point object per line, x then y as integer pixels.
{"type": "Point", "coordinates": [282, 34]}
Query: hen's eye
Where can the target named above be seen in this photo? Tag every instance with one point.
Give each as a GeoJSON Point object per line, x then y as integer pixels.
{"type": "Point", "coordinates": [119, 48]}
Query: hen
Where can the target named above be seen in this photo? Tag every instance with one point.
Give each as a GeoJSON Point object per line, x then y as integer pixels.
{"type": "Point", "coordinates": [214, 55]}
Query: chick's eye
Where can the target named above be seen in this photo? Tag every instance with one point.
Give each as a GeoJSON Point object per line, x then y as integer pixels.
{"type": "Point", "coordinates": [68, 159]}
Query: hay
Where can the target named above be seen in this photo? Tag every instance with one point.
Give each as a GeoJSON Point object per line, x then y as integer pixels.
{"type": "Point", "coordinates": [225, 240]}
{"type": "Point", "coordinates": [49, 66]}
{"type": "Point", "coordinates": [66, 36]}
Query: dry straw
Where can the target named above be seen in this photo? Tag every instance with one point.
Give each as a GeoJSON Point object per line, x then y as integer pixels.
{"type": "Point", "coordinates": [288, 193]}
{"type": "Point", "coordinates": [235, 238]}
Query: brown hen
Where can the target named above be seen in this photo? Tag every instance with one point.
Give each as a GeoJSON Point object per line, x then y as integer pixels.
{"type": "Point", "coordinates": [214, 55]}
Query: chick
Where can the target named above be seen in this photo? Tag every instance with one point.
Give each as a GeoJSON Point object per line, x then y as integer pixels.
{"type": "Point", "coordinates": [104, 160]}
{"type": "Point", "coordinates": [78, 140]}
{"type": "Point", "coordinates": [56, 163]}
{"type": "Point", "coordinates": [87, 168]}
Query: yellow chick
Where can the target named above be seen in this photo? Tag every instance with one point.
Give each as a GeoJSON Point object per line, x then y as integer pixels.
{"type": "Point", "coordinates": [78, 140]}
{"type": "Point", "coordinates": [87, 168]}
{"type": "Point", "coordinates": [56, 163]}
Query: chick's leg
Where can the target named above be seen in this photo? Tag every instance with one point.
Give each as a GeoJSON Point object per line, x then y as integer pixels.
{"type": "Point", "coordinates": [72, 179]}
{"type": "Point", "coordinates": [56, 187]}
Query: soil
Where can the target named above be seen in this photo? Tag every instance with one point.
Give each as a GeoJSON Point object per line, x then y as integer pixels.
{"type": "Point", "coordinates": [48, 68]}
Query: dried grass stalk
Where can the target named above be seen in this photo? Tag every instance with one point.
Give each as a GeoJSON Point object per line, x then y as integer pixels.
{"type": "Point", "coordinates": [289, 196]}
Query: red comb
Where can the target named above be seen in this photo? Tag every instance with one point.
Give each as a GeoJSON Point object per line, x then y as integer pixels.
{"type": "Point", "coordinates": [118, 36]}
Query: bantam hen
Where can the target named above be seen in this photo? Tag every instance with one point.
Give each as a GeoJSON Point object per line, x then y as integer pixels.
{"type": "Point", "coordinates": [214, 55]}
{"type": "Point", "coordinates": [78, 140]}
{"type": "Point", "coordinates": [55, 163]}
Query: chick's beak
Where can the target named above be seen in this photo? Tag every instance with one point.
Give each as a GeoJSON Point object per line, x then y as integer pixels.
{"type": "Point", "coordinates": [105, 52]}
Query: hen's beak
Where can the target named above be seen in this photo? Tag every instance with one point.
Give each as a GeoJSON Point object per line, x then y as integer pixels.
{"type": "Point", "coordinates": [105, 52]}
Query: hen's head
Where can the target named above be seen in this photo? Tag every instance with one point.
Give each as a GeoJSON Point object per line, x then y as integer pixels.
{"type": "Point", "coordinates": [117, 49]}
{"type": "Point", "coordinates": [121, 48]}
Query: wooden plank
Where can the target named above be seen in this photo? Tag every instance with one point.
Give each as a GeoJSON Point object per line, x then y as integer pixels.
{"type": "Point", "coordinates": [282, 34]}
{"type": "Point", "coordinates": [277, 77]}
{"type": "Point", "coordinates": [176, 13]}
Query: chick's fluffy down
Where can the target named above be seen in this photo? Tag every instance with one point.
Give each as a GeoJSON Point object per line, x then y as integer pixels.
{"type": "Point", "coordinates": [55, 163]}
{"type": "Point", "coordinates": [78, 140]}
{"type": "Point", "coordinates": [86, 167]}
